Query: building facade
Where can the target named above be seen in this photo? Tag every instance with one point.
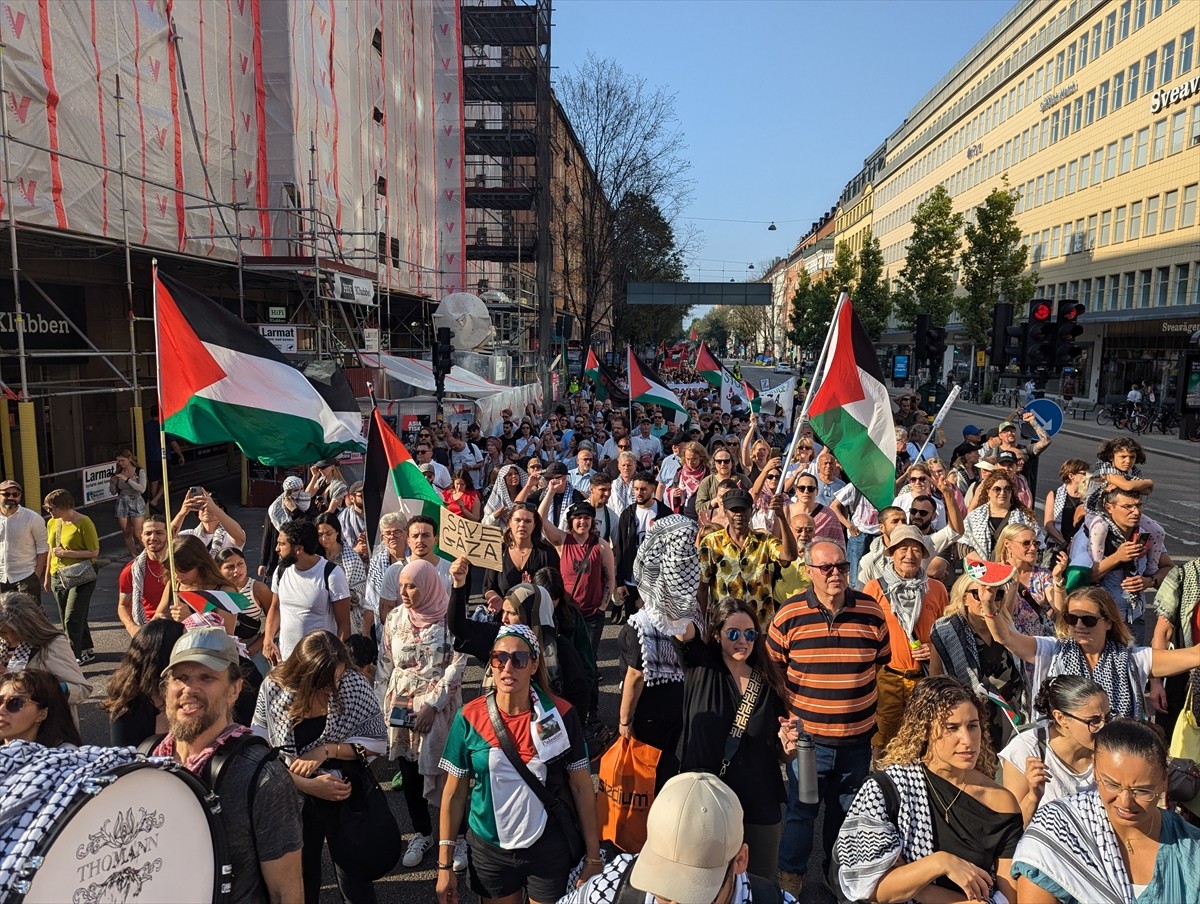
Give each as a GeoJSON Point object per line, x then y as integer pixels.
{"type": "Point", "coordinates": [1091, 111]}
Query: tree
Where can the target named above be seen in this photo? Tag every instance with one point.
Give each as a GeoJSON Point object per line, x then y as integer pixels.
{"type": "Point", "coordinates": [644, 250]}
{"type": "Point", "coordinates": [812, 309]}
{"type": "Point", "coordinates": [630, 140]}
{"type": "Point", "coordinates": [993, 263]}
{"type": "Point", "coordinates": [844, 272]}
{"type": "Point", "coordinates": [872, 297]}
{"type": "Point", "coordinates": [713, 328]}
{"type": "Point", "coordinates": [927, 279]}
{"type": "Point", "coordinates": [750, 325]}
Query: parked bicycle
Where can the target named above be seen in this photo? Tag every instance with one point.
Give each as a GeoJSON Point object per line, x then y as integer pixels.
{"type": "Point", "coordinates": [1124, 416]}
{"type": "Point", "coordinates": [1163, 418]}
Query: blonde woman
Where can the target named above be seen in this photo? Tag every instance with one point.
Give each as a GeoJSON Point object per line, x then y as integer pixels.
{"type": "Point", "coordinates": [1041, 591]}
{"type": "Point", "coordinates": [128, 483]}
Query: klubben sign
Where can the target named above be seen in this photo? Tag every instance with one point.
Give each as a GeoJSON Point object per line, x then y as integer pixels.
{"type": "Point", "coordinates": [45, 328]}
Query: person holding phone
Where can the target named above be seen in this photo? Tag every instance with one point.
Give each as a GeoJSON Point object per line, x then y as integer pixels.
{"type": "Point", "coordinates": [1128, 552]}
{"type": "Point", "coordinates": [217, 528]}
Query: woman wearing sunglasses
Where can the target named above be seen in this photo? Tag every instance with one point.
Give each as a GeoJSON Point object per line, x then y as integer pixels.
{"type": "Point", "coordinates": [724, 666]}
{"type": "Point", "coordinates": [1055, 759]}
{"type": "Point", "coordinates": [1041, 591]}
{"type": "Point", "coordinates": [1097, 644]}
{"type": "Point", "coordinates": [994, 506]}
{"type": "Point", "coordinates": [1113, 843]}
{"type": "Point", "coordinates": [827, 526]}
{"type": "Point", "coordinates": [517, 846]}
{"type": "Point", "coordinates": [29, 641]}
{"type": "Point", "coordinates": [34, 708]}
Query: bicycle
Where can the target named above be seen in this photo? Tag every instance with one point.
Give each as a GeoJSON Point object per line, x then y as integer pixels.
{"type": "Point", "coordinates": [1005, 398]}
{"type": "Point", "coordinates": [1164, 418]}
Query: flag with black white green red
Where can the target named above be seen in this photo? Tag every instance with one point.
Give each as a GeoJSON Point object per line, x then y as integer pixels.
{"type": "Point", "coordinates": [605, 379]}
{"type": "Point", "coordinates": [851, 412]}
{"type": "Point", "coordinates": [752, 395]}
{"type": "Point", "coordinates": [708, 367]}
{"type": "Point", "coordinates": [214, 600]}
{"type": "Point", "coordinates": [392, 481]}
{"type": "Point", "coordinates": [647, 388]}
{"type": "Point", "coordinates": [220, 381]}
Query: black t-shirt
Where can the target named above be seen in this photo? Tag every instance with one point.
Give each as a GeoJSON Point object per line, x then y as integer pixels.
{"type": "Point", "coordinates": [503, 581]}
{"type": "Point", "coordinates": [659, 712]}
{"type": "Point", "coordinates": [135, 725]}
{"type": "Point", "coordinates": [964, 827]}
{"type": "Point", "coordinates": [710, 702]}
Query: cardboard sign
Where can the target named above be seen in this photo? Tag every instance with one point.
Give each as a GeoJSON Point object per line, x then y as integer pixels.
{"type": "Point", "coordinates": [483, 544]}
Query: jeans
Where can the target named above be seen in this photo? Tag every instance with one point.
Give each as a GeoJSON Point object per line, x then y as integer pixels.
{"type": "Point", "coordinates": [856, 548]}
{"type": "Point", "coordinates": [414, 796]}
{"type": "Point", "coordinates": [595, 625]}
{"type": "Point", "coordinates": [73, 605]}
{"type": "Point", "coordinates": [840, 773]}
{"type": "Point", "coordinates": [316, 823]}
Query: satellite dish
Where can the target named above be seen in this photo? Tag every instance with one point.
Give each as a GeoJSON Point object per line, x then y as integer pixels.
{"type": "Point", "coordinates": [467, 317]}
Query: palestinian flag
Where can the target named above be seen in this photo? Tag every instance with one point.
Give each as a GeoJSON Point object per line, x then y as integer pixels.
{"type": "Point", "coordinates": [392, 482]}
{"type": "Point", "coordinates": [648, 388]}
{"type": "Point", "coordinates": [214, 601]}
{"type": "Point", "coordinates": [752, 395]}
{"type": "Point", "coordinates": [693, 336]}
{"type": "Point", "coordinates": [708, 367]}
{"type": "Point", "coordinates": [1004, 706]}
{"type": "Point", "coordinates": [220, 381]}
{"type": "Point", "coordinates": [1079, 562]}
{"type": "Point", "coordinates": [608, 385]}
{"type": "Point", "coordinates": [851, 412]}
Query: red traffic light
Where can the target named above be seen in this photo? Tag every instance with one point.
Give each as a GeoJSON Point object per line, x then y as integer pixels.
{"type": "Point", "coordinates": [1040, 311]}
{"type": "Point", "coordinates": [1069, 310]}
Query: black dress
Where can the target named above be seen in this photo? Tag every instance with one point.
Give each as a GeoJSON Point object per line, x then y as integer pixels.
{"type": "Point", "coordinates": [510, 575]}
{"type": "Point", "coordinates": [970, 830]}
{"type": "Point", "coordinates": [659, 714]}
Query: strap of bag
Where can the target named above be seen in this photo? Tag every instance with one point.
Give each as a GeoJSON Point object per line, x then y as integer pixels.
{"type": "Point", "coordinates": [741, 719]}
{"type": "Point", "coordinates": [514, 757]}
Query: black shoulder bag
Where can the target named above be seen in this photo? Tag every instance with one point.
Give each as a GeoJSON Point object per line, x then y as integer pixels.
{"type": "Point", "coordinates": [559, 809]}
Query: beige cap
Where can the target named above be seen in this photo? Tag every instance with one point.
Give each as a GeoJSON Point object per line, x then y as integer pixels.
{"type": "Point", "coordinates": [906, 533]}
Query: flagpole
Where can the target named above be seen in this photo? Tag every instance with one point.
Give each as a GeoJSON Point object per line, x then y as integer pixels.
{"type": "Point", "coordinates": [802, 418]}
{"type": "Point", "coordinates": [629, 379]}
{"type": "Point", "coordinates": [162, 437]}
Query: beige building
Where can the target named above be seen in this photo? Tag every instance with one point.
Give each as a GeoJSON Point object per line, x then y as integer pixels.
{"type": "Point", "coordinates": [1092, 110]}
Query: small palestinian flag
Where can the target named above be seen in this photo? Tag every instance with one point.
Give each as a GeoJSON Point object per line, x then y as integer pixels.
{"type": "Point", "coordinates": [708, 367]}
{"type": "Point", "coordinates": [392, 481]}
{"type": "Point", "coordinates": [607, 384]}
{"type": "Point", "coordinates": [752, 395]}
{"type": "Point", "coordinates": [215, 601]}
{"type": "Point", "coordinates": [648, 388]}
{"type": "Point", "coordinates": [1004, 706]}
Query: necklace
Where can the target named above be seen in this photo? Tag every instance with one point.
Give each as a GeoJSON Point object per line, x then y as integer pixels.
{"type": "Point", "coordinates": [946, 807]}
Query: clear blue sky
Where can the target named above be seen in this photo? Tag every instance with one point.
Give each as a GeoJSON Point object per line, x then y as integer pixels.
{"type": "Point", "coordinates": [779, 100]}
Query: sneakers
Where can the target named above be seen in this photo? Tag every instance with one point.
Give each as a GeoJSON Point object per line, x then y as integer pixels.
{"type": "Point", "coordinates": [85, 657]}
{"type": "Point", "coordinates": [460, 854]}
{"type": "Point", "coordinates": [416, 849]}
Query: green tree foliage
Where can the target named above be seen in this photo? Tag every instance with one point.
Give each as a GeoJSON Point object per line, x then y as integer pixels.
{"type": "Point", "coordinates": [927, 280]}
{"type": "Point", "coordinates": [993, 263]}
{"type": "Point", "coordinates": [812, 309]}
{"type": "Point", "coordinates": [872, 298]}
{"type": "Point", "coordinates": [644, 250]}
{"type": "Point", "coordinates": [714, 329]}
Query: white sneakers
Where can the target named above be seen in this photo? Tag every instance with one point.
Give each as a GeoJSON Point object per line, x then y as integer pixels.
{"type": "Point", "coordinates": [460, 854]}
{"type": "Point", "coordinates": [415, 852]}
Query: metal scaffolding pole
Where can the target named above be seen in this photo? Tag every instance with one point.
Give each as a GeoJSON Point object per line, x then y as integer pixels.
{"type": "Point", "coordinates": [137, 421]}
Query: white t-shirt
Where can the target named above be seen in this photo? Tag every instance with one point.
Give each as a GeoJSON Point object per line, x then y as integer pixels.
{"type": "Point", "coordinates": [1143, 658]}
{"type": "Point", "coordinates": [216, 541]}
{"type": "Point", "coordinates": [644, 444]}
{"type": "Point", "coordinates": [1062, 782]}
{"type": "Point", "coordinates": [864, 516]}
{"type": "Point", "coordinates": [305, 605]}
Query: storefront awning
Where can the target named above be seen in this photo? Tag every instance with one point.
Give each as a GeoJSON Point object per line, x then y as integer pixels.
{"type": "Point", "coordinates": [419, 374]}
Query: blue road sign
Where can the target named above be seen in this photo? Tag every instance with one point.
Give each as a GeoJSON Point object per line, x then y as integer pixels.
{"type": "Point", "coordinates": [1049, 415]}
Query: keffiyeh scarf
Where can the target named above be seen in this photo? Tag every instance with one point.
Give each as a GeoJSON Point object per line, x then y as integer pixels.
{"type": "Point", "coordinates": [667, 571]}
{"type": "Point", "coordinates": [906, 596]}
{"type": "Point", "coordinates": [660, 661]}
{"type": "Point", "coordinates": [354, 716]}
{"type": "Point", "coordinates": [279, 514]}
{"type": "Point", "coordinates": [1071, 841]}
{"type": "Point", "coordinates": [500, 498]}
{"type": "Point", "coordinates": [977, 532]}
{"type": "Point", "coordinates": [195, 764]}
{"type": "Point", "coordinates": [15, 658]}
{"type": "Point", "coordinates": [688, 480]}
{"type": "Point", "coordinates": [1116, 672]}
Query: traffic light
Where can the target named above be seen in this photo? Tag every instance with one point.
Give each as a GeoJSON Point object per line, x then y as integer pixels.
{"type": "Point", "coordinates": [1066, 329]}
{"type": "Point", "coordinates": [998, 335]}
{"type": "Point", "coordinates": [1043, 335]}
{"type": "Point", "coordinates": [935, 348]}
{"type": "Point", "coordinates": [920, 340]}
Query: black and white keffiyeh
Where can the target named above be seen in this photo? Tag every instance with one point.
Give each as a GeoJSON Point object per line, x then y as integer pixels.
{"type": "Point", "coordinates": [37, 785]}
{"type": "Point", "coordinates": [500, 498]}
{"type": "Point", "coordinates": [15, 658]}
{"type": "Point", "coordinates": [1116, 671]}
{"type": "Point", "coordinates": [354, 716]}
{"type": "Point", "coordinates": [977, 529]}
{"type": "Point", "coordinates": [906, 596]}
{"type": "Point", "coordinates": [667, 571]}
{"type": "Point", "coordinates": [660, 661]}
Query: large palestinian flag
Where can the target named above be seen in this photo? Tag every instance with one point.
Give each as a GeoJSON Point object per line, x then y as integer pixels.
{"type": "Point", "coordinates": [708, 366]}
{"type": "Point", "coordinates": [851, 412]}
{"type": "Point", "coordinates": [392, 482]}
{"type": "Point", "coordinates": [607, 384]}
{"type": "Point", "coordinates": [648, 388]}
{"type": "Point", "coordinates": [220, 381]}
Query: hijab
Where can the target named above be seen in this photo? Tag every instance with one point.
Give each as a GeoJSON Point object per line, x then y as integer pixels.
{"type": "Point", "coordinates": [431, 607]}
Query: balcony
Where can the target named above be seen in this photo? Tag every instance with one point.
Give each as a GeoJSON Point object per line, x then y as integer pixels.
{"type": "Point", "coordinates": [504, 244]}
{"type": "Point", "coordinates": [508, 84]}
{"type": "Point", "coordinates": [504, 26]}
{"type": "Point", "coordinates": [501, 138]}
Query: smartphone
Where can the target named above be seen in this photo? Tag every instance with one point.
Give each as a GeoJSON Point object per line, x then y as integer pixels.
{"type": "Point", "coordinates": [401, 716]}
{"type": "Point", "coordinates": [195, 491]}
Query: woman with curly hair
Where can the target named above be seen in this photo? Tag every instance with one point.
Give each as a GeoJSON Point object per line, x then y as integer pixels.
{"type": "Point", "coordinates": [933, 818]}
{"type": "Point", "coordinates": [135, 704]}
{"type": "Point", "coordinates": [995, 504]}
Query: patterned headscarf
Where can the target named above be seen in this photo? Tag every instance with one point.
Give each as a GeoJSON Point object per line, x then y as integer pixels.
{"type": "Point", "coordinates": [434, 600]}
{"type": "Point", "coordinates": [525, 633]}
{"type": "Point", "coordinates": [667, 570]}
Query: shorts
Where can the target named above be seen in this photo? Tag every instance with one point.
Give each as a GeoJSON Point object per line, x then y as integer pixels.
{"type": "Point", "coordinates": [131, 507]}
{"type": "Point", "coordinates": [541, 868]}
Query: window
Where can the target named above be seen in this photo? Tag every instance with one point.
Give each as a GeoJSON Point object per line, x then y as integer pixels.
{"type": "Point", "coordinates": [1187, 212]}
{"type": "Point", "coordinates": [1037, 82]}
{"type": "Point", "coordinates": [1118, 91]}
{"type": "Point", "coordinates": [1129, 290]}
{"type": "Point", "coordinates": [1091, 231]}
{"type": "Point", "coordinates": [1085, 294]}
{"type": "Point", "coordinates": [1066, 120]}
{"type": "Point", "coordinates": [1139, 18]}
{"type": "Point", "coordinates": [1149, 71]}
{"type": "Point", "coordinates": [1170, 203]}
{"type": "Point", "coordinates": [1067, 247]}
{"type": "Point", "coordinates": [1143, 141]}
{"type": "Point", "coordinates": [1070, 60]}
{"type": "Point", "coordinates": [1059, 62]}
{"type": "Point", "coordinates": [1099, 295]}
{"type": "Point", "coordinates": [1144, 289]}
{"type": "Point", "coordinates": [1134, 70]}
{"type": "Point", "coordinates": [1114, 291]}
{"type": "Point", "coordinates": [1098, 162]}
{"type": "Point", "coordinates": [1040, 193]}
{"type": "Point", "coordinates": [1178, 124]}
{"type": "Point", "coordinates": [1045, 140]}
{"type": "Point", "coordinates": [1126, 154]}
{"type": "Point", "coordinates": [1060, 182]}
{"type": "Point", "coordinates": [1024, 145]}
{"type": "Point", "coordinates": [1083, 50]}
{"type": "Point", "coordinates": [1135, 220]}
{"type": "Point", "coordinates": [1159, 148]}
{"type": "Point", "coordinates": [1110, 31]}
{"type": "Point", "coordinates": [1054, 127]}
{"type": "Point", "coordinates": [1182, 272]}
{"type": "Point", "coordinates": [1195, 124]}
{"type": "Point", "coordinates": [1119, 224]}
{"type": "Point", "coordinates": [1102, 101]}
{"type": "Point", "coordinates": [1167, 66]}
{"type": "Point", "coordinates": [1089, 108]}
{"type": "Point", "coordinates": [1072, 176]}
{"type": "Point", "coordinates": [1077, 114]}
{"type": "Point", "coordinates": [1105, 227]}
{"type": "Point", "coordinates": [1123, 32]}
{"type": "Point", "coordinates": [1187, 42]}
{"type": "Point", "coordinates": [1151, 216]}
{"type": "Point", "coordinates": [1029, 194]}
{"type": "Point", "coordinates": [1162, 285]}
{"type": "Point", "coordinates": [1085, 163]}
{"type": "Point", "coordinates": [1056, 241]}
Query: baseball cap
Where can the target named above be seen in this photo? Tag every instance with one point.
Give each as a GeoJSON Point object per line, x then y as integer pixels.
{"type": "Point", "coordinates": [906, 533]}
{"type": "Point", "coordinates": [356, 486]}
{"type": "Point", "coordinates": [293, 483]}
{"type": "Point", "coordinates": [554, 469]}
{"type": "Point", "coordinates": [737, 499]}
{"type": "Point", "coordinates": [581, 508]}
{"type": "Point", "coordinates": [693, 832]}
{"type": "Point", "coordinates": [991, 434]}
{"type": "Point", "coordinates": [326, 463]}
{"type": "Point", "coordinates": [1006, 458]}
{"type": "Point", "coordinates": [11, 485]}
{"type": "Point", "coordinates": [211, 647]}
{"type": "Point", "coordinates": [984, 465]}
{"type": "Point", "coordinates": [971, 430]}
{"type": "Point", "coordinates": [1007, 425]}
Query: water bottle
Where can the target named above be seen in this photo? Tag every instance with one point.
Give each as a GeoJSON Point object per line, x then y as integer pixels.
{"type": "Point", "coordinates": [806, 769]}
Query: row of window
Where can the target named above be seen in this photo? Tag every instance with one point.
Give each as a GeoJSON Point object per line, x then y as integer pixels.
{"type": "Point", "coordinates": [1175, 58]}
{"type": "Point", "coordinates": [1136, 289]}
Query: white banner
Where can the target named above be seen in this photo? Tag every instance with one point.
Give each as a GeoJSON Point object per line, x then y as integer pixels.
{"type": "Point", "coordinates": [782, 396]}
{"type": "Point", "coordinates": [283, 337]}
{"type": "Point", "coordinates": [95, 479]}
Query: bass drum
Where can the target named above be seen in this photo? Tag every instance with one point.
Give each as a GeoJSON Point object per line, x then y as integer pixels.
{"type": "Point", "coordinates": [144, 832]}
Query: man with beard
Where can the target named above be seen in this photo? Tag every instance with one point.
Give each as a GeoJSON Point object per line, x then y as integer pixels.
{"type": "Point", "coordinates": [140, 586]}
{"type": "Point", "coordinates": [260, 809]}
{"type": "Point", "coordinates": [632, 525]}
{"type": "Point", "coordinates": [24, 544]}
{"type": "Point", "coordinates": [1129, 554]}
{"type": "Point", "coordinates": [353, 519]}
{"type": "Point", "coordinates": [308, 593]}
{"type": "Point", "coordinates": [422, 544]}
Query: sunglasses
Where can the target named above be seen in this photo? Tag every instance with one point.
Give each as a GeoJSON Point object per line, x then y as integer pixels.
{"type": "Point", "coordinates": [1089, 621]}
{"type": "Point", "coordinates": [919, 478]}
{"type": "Point", "coordinates": [520, 659]}
{"type": "Point", "coordinates": [722, 461]}
{"type": "Point", "coordinates": [984, 595]}
{"type": "Point", "coordinates": [15, 703]}
{"type": "Point", "coordinates": [804, 448]}
{"type": "Point", "coordinates": [1001, 489]}
{"type": "Point", "coordinates": [842, 568]}
{"type": "Point", "coordinates": [774, 475]}
{"type": "Point", "coordinates": [1094, 723]}
{"type": "Point", "coordinates": [736, 634]}
{"type": "Point", "coordinates": [807, 488]}
{"type": "Point", "coordinates": [920, 513]}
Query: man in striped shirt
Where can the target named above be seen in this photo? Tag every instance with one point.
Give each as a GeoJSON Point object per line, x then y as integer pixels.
{"type": "Point", "coordinates": [830, 642]}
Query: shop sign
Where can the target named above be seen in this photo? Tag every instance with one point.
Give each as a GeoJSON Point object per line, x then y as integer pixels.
{"type": "Point", "coordinates": [45, 328]}
{"type": "Point", "coordinates": [282, 337]}
{"type": "Point", "coordinates": [352, 289]}
{"type": "Point", "coordinates": [1180, 326]}
{"type": "Point", "coordinates": [1164, 97]}
{"type": "Point", "coordinates": [95, 479]}
{"type": "Point", "coordinates": [1051, 99]}
{"type": "Point", "coordinates": [277, 313]}
{"type": "Point", "coordinates": [371, 338]}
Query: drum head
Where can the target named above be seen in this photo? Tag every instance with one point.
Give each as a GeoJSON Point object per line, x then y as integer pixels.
{"type": "Point", "coordinates": [148, 836]}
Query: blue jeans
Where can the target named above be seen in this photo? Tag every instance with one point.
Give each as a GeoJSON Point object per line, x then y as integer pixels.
{"type": "Point", "coordinates": [840, 773]}
{"type": "Point", "coordinates": [856, 548]}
